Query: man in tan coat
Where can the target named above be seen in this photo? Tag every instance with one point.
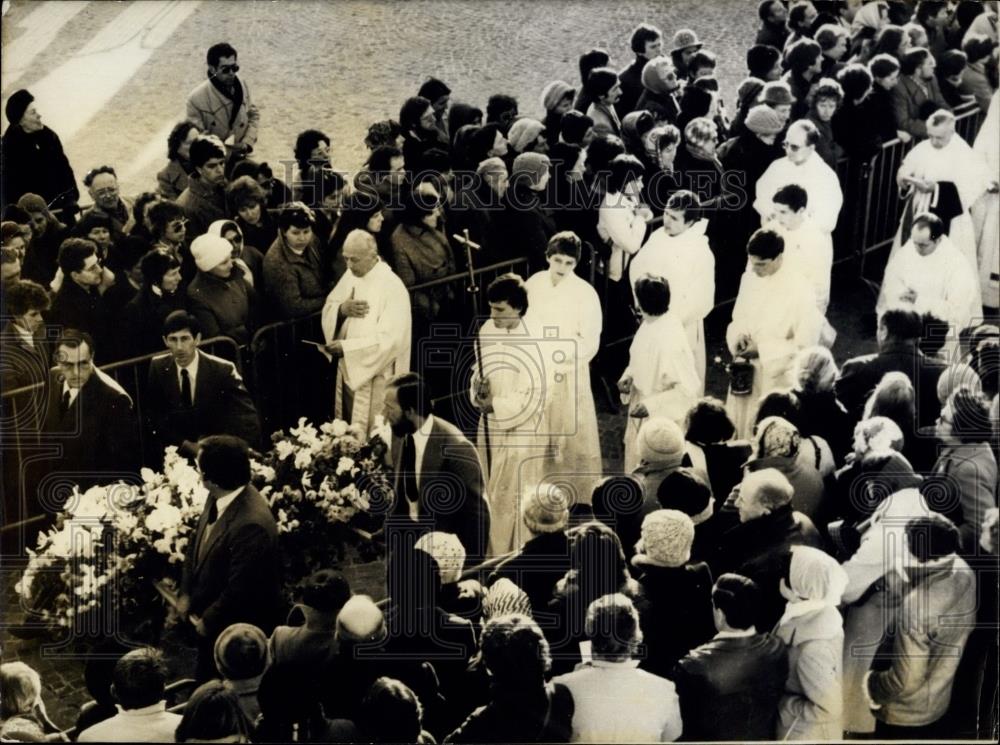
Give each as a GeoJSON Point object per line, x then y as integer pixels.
{"type": "Point", "coordinates": [222, 105]}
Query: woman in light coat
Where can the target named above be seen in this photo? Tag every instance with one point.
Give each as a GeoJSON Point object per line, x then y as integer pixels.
{"type": "Point", "coordinates": [811, 708]}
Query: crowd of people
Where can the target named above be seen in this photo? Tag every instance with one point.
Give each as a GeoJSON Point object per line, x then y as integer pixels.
{"type": "Point", "coordinates": [813, 558]}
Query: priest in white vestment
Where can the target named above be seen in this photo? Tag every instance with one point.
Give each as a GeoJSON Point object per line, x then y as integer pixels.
{"type": "Point", "coordinates": [660, 380]}
{"type": "Point", "coordinates": [803, 166]}
{"type": "Point", "coordinates": [366, 323]}
{"type": "Point", "coordinates": [986, 212]}
{"type": "Point", "coordinates": [567, 311]}
{"type": "Point", "coordinates": [679, 252]}
{"type": "Point", "coordinates": [943, 175]}
{"type": "Point", "coordinates": [807, 248]}
{"type": "Point", "coordinates": [775, 316]}
{"type": "Point", "coordinates": [511, 394]}
{"type": "Point", "coordinates": [929, 275]}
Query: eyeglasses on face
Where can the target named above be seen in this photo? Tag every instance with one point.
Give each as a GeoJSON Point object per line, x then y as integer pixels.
{"type": "Point", "coordinates": [229, 68]}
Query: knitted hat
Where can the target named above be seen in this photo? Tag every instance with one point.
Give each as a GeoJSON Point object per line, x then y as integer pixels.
{"type": "Point", "coordinates": [17, 104]}
{"type": "Point", "coordinates": [660, 442]}
{"type": "Point", "coordinates": [209, 251]}
{"type": "Point", "coordinates": [555, 92]}
{"type": "Point", "coordinates": [492, 167]}
{"type": "Point", "coordinates": [241, 652]}
{"type": "Point", "coordinates": [545, 508]}
{"type": "Point", "coordinates": [447, 551]}
{"type": "Point", "coordinates": [33, 203]}
{"type": "Point", "coordinates": [667, 537]}
{"type": "Point", "coordinates": [204, 148]}
{"type": "Point", "coordinates": [503, 598]}
{"type": "Point", "coordinates": [659, 75]}
{"type": "Point", "coordinates": [777, 93]}
{"type": "Point", "coordinates": [530, 167]}
{"type": "Point", "coordinates": [523, 132]}
{"type": "Point", "coordinates": [762, 120]}
{"type": "Point", "coordinates": [360, 620]}
{"type": "Point", "coordinates": [684, 39]}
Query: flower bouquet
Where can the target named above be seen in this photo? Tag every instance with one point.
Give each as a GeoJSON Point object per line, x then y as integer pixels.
{"type": "Point", "coordinates": [328, 490]}
{"type": "Point", "coordinates": [113, 550]}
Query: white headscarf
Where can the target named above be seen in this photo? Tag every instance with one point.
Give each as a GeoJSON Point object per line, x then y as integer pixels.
{"type": "Point", "coordinates": [815, 581]}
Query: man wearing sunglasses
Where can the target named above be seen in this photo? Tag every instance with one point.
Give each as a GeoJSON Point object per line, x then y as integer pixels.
{"type": "Point", "coordinates": [222, 105]}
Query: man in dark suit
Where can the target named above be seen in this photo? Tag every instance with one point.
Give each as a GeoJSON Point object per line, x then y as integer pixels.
{"type": "Point", "coordinates": [730, 686]}
{"type": "Point", "coordinates": [78, 304]}
{"type": "Point", "coordinates": [898, 334]}
{"type": "Point", "coordinates": [232, 567]}
{"type": "Point", "coordinates": [191, 394]}
{"type": "Point", "coordinates": [438, 479]}
{"type": "Point", "coordinates": [88, 416]}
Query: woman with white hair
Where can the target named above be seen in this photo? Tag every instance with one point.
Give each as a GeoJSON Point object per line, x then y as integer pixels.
{"type": "Point", "coordinates": [811, 626]}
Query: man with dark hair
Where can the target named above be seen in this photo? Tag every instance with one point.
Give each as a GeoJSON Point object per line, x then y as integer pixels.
{"type": "Point", "coordinates": [89, 415]}
{"type": "Point", "coordinates": [191, 394]}
{"type": "Point", "coordinates": [765, 332]}
{"type": "Point", "coordinates": [773, 32]}
{"type": "Point", "coordinates": [139, 680]}
{"type": "Point", "coordinates": [899, 331]}
{"type": "Point", "coordinates": [79, 304]}
{"type": "Point", "coordinates": [646, 43]}
{"type": "Point", "coordinates": [614, 700]}
{"type": "Point", "coordinates": [569, 308]}
{"type": "Point", "coordinates": [911, 693]}
{"type": "Point", "coordinates": [679, 252]}
{"type": "Point", "coordinates": [931, 275]}
{"type": "Point", "coordinates": [204, 198]}
{"type": "Point", "coordinates": [764, 62]}
{"type": "Point", "coordinates": [501, 110]}
{"type": "Point", "coordinates": [439, 94]}
{"type": "Point", "coordinates": [102, 185]}
{"type": "Point", "coordinates": [34, 161]}
{"type": "Point", "coordinates": [934, 16]}
{"type": "Point", "coordinates": [800, 21]}
{"type": "Point", "coordinates": [730, 687]}
{"type": "Point", "coordinates": [809, 249]}
{"type": "Point", "coordinates": [222, 105]}
{"type": "Point", "coordinates": [437, 474]}
{"type": "Point", "coordinates": [232, 566]}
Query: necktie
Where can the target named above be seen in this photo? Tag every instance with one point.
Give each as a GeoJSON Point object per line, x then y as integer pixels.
{"type": "Point", "coordinates": [213, 515]}
{"type": "Point", "coordinates": [186, 389]}
{"type": "Point", "coordinates": [409, 468]}
{"type": "Point", "coordinates": [64, 403]}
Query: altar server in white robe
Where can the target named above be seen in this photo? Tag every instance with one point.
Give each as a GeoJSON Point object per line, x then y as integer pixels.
{"type": "Point", "coordinates": [567, 310]}
{"type": "Point", "coordinates": [802, 165]}
{"type": "Point", "coordinates": [945, 176]}
{"type": "Point", "coordinates": [366, 323]}
{"type": "Point", "coordinates": [986, 212]}
{"type": "Point", "coordinates": [807, 248]}
{"type": "Point", "coordinates": [679, 252]}
{"type": "Point", "coordinates": [660, 380]}
{"type": "Point", "coordinates": [510, 392]}
{"type": "Point", "coordinates": [929, 275]}
{"type": "Point", "coordinates": [775, 317]}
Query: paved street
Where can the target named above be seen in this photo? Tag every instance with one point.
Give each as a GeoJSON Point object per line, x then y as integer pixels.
{"type": "Point", "coordinates": [111, 78]}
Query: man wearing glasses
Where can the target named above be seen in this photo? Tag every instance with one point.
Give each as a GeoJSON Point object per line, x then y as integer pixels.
{"type": "Point", "coordinates": [804, 167]}
{"type": "Point", "coordinates": [102, 185]}
{"type": "Point", "coordinates": [222, 105]}
{"type": "Point", "coordinates": [79, 304]}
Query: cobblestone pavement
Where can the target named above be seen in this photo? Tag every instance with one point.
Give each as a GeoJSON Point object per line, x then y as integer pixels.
{"type": "Point", "coordinates": [332, 66]}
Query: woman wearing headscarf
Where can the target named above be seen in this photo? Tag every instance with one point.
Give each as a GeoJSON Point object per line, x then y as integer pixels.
{"type": "Point", "coordinates": [557, 99]}
{"type": "Point", "coordinates": [778, 444]}
{"type": "Point", "coordinates": [660, 90]}
{"type": "Point", "coordinates": [811, 626]}
{"type": "Point", "coordinates": [636, 127]}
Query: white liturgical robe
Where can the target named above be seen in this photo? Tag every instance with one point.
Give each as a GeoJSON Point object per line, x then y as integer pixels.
{"type": "Point", "coordinates": [986, 212]}
{"type": "Point", "coordinates": [664, 379]}
{"type": "Point", "coordinates": [518, 444]}
{"type": "Point", "coordinates": [778, 313]}
{"type": "Point", "coordinates": [687, 263]}
{"type": "Point", "coordinates": [376, 346]}
{"type": "Point", "coordinates": [816, 177]}
{"type": "Point", "coordinates": [810, 251]}
{"type": "Point", "coordinates": [942, 282]}
{"type": "Point", "coordinates": [568, 315]}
